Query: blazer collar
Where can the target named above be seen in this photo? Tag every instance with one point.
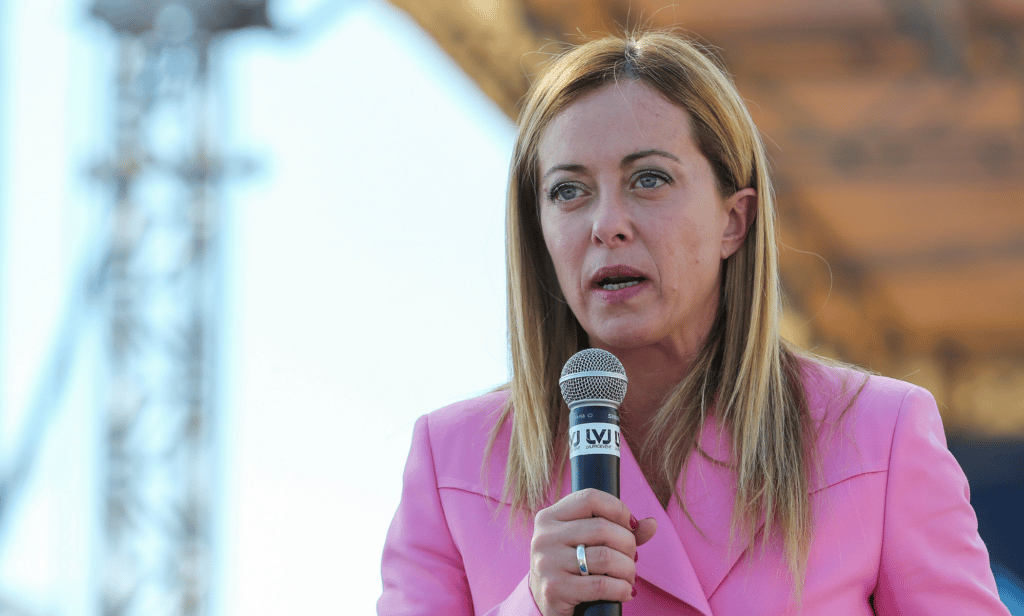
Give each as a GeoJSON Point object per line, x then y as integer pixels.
{"type": "Point", "coordinates": [664, 560]}
{"type": "Point", "coordinates": [709, 492]}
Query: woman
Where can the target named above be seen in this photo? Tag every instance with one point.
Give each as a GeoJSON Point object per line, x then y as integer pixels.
{"type": "Point", "coordinates": [754, 480]}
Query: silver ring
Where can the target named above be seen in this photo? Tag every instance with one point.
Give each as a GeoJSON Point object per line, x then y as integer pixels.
{"type": "Point", "coordinates": [581, 558]}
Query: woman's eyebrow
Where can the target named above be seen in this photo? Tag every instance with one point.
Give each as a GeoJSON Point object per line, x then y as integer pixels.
{"type": "Point", "coordinates": [566, 167]}
{"type": "Point", "coordinates": [630, 158]}
{"type": "Point", "coordinates": [626, 161]}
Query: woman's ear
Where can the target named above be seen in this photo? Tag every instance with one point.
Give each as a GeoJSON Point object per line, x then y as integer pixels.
{"type": "Point", "coordinates": [741, 208]}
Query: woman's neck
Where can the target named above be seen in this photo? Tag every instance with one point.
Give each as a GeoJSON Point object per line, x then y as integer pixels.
{"type": "Point", "coordinates": [653, 373]}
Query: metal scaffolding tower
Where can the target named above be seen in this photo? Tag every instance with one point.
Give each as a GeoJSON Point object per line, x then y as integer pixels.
{"type": "Point", "coordinates": [162, 284]}
{"type": "Point", "coordinates": [155, 288]}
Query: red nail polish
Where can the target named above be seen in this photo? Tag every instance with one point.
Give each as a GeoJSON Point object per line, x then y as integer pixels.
{"type": "Point", "coordinates": [633, 523]}
{"type": "Point", "coordinates": [636, 557]}
{"type": "Point", "coordinates": [633, 593]}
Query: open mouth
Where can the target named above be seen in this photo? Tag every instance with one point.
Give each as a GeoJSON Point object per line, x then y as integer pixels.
{"type": "Point", "coordinates": [614, 283]}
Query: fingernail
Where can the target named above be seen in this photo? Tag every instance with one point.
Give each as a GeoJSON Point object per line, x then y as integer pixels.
{"type": "Point", "coordinates": [633, 593]}
{"type": "Point", "coordinates": [636, 557]}
{"type": "Point", "coordinates": [633, 523]}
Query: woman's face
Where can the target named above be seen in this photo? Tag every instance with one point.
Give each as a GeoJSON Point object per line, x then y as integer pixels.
{"type": "Point", "coordinates": [633, 220]}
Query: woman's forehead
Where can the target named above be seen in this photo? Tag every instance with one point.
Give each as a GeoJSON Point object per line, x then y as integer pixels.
{"type": "Point", "coordinates": [613, 121]}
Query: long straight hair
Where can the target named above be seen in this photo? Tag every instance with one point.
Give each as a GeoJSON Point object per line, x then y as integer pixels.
{"type": "Point", "coordinates": [744, 375]}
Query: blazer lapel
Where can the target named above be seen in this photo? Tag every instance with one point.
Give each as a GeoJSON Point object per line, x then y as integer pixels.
{"type": "Point", "coordinates": [664, 561]}
{"type": "Point", "coordinates": [710, 492]}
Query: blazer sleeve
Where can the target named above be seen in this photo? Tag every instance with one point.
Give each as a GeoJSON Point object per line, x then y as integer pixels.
{"type": "Point", "coordinates": [421, 567]}
{"type": "Point", "coordinates": [933, 561]}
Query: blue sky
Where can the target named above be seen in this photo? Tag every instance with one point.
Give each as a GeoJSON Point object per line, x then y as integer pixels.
{"type": "Point", "coordinates": [365, 287]}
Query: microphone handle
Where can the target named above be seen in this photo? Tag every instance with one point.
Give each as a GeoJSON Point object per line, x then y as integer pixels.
{"type": "Point", "coordinates": [598, 608]}
{"type": "Point", "coordinates": [594, 457]}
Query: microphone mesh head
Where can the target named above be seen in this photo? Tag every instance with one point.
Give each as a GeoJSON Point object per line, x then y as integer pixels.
{"type": "Point", "coordinates": [590, 386]}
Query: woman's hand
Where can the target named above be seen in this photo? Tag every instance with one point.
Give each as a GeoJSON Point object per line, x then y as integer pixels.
{"type": "Point", "coordinates": [604, 525]}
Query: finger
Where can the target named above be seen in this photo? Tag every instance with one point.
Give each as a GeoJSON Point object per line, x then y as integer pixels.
{"type": "Point", "coordinates": [596, 532]}
{"type": "Point", "coordinates": [598, 588]}
{"type": "Point", "coordinates": [563, 596]}
{"type": "Point", "coordinates": [645, 530]}
{"type": "Point", "coordinates": [602, 560]}
{"type": "Point", "coordinates": [590, 503]}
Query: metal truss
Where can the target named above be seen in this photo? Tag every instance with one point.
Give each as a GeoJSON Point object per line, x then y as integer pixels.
{"type": "Point", "coordinates": [154, 288]}
{"type": "Point", "coordinates": [161, 308]}
{"type": "Point", "coordinates": [163, 279]}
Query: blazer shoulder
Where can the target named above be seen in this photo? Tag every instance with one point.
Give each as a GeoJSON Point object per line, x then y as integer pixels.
{"type": "Point", "coordinates": [856, 416]}
{"type": "Point", "coordinates": [835, 391]}
{"type": "Point", "coordinates": [459, 436]}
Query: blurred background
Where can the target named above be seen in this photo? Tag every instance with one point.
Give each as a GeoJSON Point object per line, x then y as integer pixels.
{"type": "Point", "coordinates": [245, 243]}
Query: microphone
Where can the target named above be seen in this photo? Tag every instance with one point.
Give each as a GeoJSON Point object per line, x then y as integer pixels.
{"type": "Point", "coordinates": [593, 384]}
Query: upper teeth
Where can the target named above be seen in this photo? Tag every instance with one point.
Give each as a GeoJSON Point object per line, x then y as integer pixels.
{"type": "Point", "coordinates": [621, 285]}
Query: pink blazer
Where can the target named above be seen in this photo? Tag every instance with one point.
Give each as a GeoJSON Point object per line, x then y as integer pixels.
{"type": "Point", "coordinates": [894, 530]}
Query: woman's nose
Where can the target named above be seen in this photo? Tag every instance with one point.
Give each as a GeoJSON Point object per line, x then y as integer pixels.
{"type": "Point", "coordinates": [613, 224]}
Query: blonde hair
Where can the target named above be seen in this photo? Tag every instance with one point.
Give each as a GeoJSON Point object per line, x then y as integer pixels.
{"type": "Point", "coordinates": [744, 375]}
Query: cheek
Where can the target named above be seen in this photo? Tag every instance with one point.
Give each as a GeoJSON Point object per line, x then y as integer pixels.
{"type": "Point", "coordinates": [691, 258]}
{"type": "Point", "coordinates": [566, 257]}
{"type": "Point", "coordinates": [551, 242]}
{"type": "Point", "coordinates": [561, 259]}
{"type": "Point", "coordinates": [556, 253]}
{"type": "Point", "coordinates": [702, 241]}
{"type": "Point", "coordinates": [559, 243]}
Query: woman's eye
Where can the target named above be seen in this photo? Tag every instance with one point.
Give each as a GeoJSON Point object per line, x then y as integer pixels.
{"type": "Point", "coordinates": [650, 179]}
{"type": "Point", "coordinates": [565, 192]}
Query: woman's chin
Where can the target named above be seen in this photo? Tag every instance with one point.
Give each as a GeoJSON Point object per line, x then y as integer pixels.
{"type": "Point", "coordinates": [627, 337]}
{"type": "Point", "coordinates": [621, 338]}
